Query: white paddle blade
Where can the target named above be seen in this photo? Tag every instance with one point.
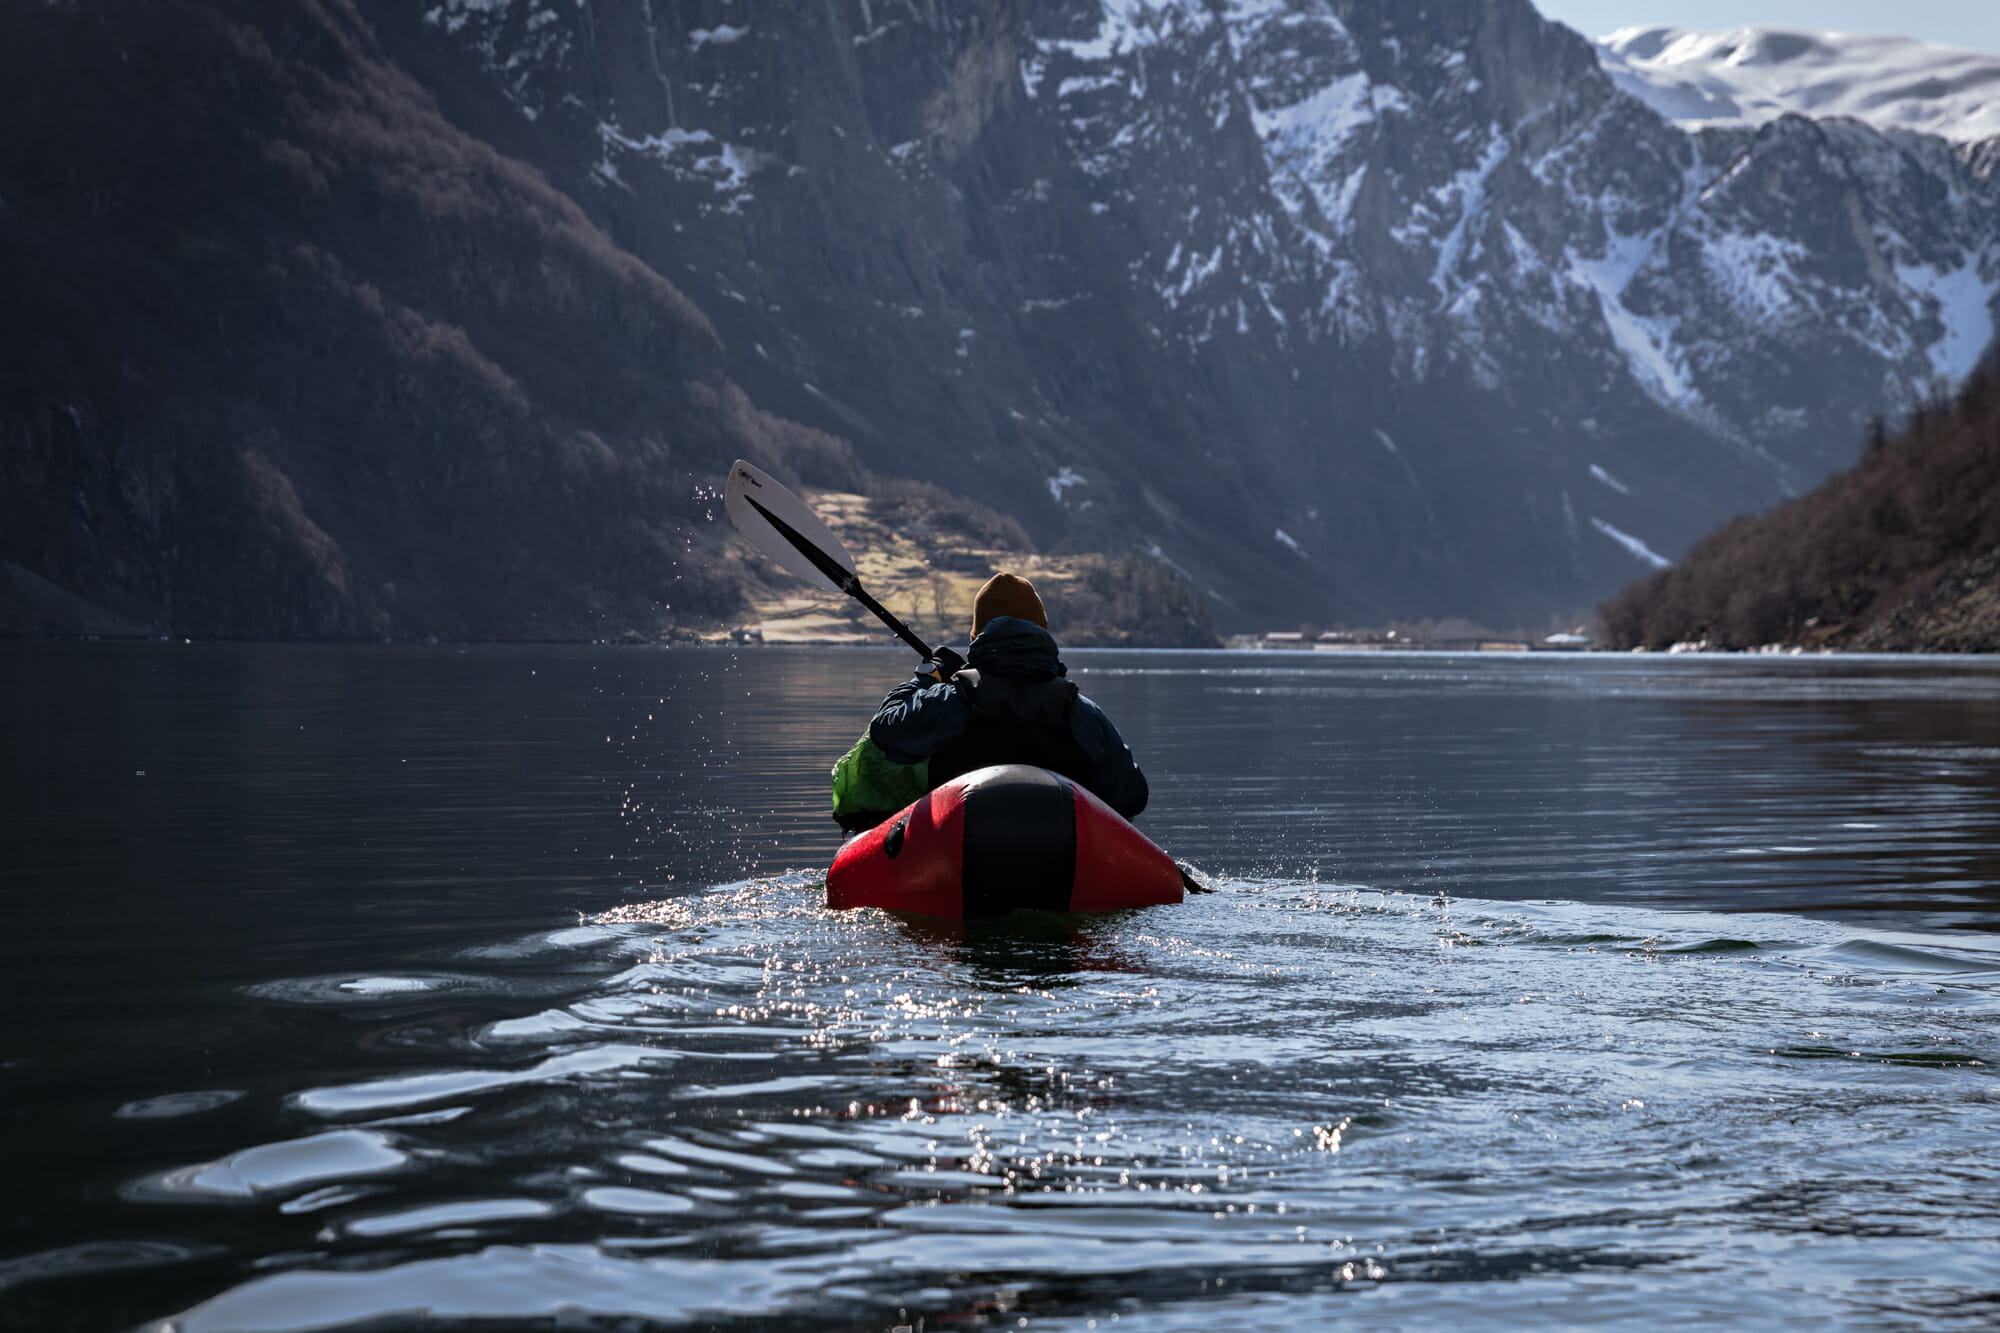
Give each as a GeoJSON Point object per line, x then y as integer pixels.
{"type": "Point", "coordinates": [748, 484]}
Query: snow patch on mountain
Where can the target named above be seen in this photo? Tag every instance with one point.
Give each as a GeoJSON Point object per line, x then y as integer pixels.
{"type": "Point", "coordinates": [1963, 302]}
{"type": "Point", "coordinates": [515, 38]}
{"type": "Point", "coordinates": [1469, 189]}
{"type": "Point", "coordinates": [1755, 270]}
{"type": "Point", "coordinates": [1307, 135]}
{"type": "Point", "coordinates": [687, 155]}
{"type": "Point", "coordinates": [454, 13]}
{"type": "Point", "coordinates": [1130, 25]}
{"type": "Point", "coordinates": [722, 34]}
{"type": "Point", "coordinates": [1748, 76]}
{"type": "Point", "coordinates": [1631, 543]}
{"type": "Point", "coordinates": [1646, 341]}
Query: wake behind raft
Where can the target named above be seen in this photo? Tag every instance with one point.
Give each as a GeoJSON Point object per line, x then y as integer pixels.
{"type": "Point", "coordinates": [999, 840]}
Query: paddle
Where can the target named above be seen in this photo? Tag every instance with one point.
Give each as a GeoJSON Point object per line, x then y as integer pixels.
{"type": "Point", "coordinates": [1194, 880]}
{"type": "Point", "coordinates": [782, 527]}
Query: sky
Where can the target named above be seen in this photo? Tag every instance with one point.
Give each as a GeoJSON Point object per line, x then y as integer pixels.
{"type": "Point", "coordinates": [1974, 24]}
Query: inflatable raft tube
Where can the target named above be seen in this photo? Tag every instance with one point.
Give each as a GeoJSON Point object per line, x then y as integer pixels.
{"type": "Point", "coordinates": [998, 840]}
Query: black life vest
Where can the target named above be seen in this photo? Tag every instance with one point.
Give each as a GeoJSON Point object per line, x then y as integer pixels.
{"type": "Point", "coordinates": [1014, 721]}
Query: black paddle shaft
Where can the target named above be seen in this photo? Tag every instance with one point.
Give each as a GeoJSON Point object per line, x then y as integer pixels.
{"type": "Point", "coordinates": [842, 579]}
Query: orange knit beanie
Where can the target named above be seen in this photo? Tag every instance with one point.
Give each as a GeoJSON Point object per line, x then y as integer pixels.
{"type": "Point", "coordinates": [1007, 595]}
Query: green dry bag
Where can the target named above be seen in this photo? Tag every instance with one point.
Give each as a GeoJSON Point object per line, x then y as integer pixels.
{"type": "Point", "coordinates": [867, 782]}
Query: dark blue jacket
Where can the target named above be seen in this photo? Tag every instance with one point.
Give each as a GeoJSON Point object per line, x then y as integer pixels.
{"type": "Point", "coordinates": [926, 719]}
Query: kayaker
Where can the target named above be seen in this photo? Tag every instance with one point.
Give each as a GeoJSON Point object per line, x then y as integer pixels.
{"type": "Point", "coordinates": [1008, 701]}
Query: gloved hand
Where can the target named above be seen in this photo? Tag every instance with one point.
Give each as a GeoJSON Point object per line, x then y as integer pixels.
{"type": "Point", "coordinates": [942, 664]}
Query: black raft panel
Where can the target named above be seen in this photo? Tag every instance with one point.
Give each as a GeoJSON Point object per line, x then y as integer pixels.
{"type": "Point", "coordinates": [1019, 841]}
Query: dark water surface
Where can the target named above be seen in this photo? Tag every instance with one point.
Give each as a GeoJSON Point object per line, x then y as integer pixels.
{"type": "Point", "coordinates": [390, 987]}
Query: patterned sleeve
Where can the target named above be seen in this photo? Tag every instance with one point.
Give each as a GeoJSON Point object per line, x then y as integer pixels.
{"type": "Point", "coordinates": [919, 718]}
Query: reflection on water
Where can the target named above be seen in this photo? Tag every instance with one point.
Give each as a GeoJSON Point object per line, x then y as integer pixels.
{"type": "Point", "coordinates": [1865, 788]}
{"type": "Point", "coordinates": [468, 987]}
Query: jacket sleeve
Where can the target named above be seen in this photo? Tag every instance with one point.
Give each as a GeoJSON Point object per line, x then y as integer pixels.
{"type": "Point", "coordinates": [1118, 779]}
{"type": "Point", "coordinates": [919, 718]}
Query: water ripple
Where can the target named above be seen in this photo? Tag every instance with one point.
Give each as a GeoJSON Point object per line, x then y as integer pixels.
{"type": "Point", "coordinates": [1285, 1103]}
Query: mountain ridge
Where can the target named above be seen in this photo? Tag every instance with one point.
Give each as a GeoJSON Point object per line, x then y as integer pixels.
{"type": "Point", "coordinates": [1748, 76]}
{"type": "Point", "coordinates": [1351, 310]}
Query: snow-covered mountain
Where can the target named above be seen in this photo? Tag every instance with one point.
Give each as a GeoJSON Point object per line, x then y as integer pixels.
{"type": "Point", "coordinates": [1350, 307]}
{"type": "Point", "coordinates": [1744, 77]}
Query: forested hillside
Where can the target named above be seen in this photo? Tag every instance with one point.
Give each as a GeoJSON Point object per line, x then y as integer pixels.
{"type": "Point", "coordinates": [287, 355]}
{"type": "Point", "coordinates": [1901, 552]}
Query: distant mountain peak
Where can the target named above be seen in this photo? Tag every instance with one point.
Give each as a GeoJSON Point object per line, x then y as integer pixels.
{"type": "Point", "coordinates": [1745, 77]}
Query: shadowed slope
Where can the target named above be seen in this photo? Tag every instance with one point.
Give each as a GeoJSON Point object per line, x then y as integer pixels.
{"type": "Point", "coordinates": [288, 355]}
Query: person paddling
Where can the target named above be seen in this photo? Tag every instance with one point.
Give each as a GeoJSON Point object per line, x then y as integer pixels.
{"type": "Point", "coordinates": [1008, 701]}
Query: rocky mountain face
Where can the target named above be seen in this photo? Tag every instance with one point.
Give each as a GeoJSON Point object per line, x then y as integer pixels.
{"type": "Point", "coordinates": [1350, 309]}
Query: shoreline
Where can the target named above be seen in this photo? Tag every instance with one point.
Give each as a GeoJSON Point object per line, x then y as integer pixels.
{"type": "Point", "coordinates": [867, 642]}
